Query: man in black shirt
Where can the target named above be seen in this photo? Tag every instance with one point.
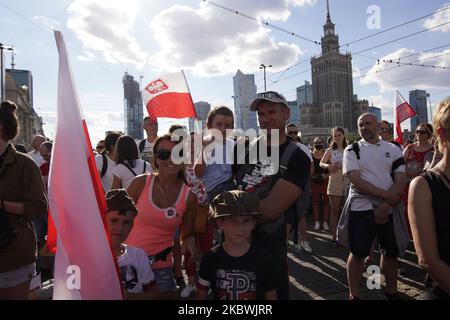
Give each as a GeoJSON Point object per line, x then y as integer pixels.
{"type": "Point", "coordinates": [284, 185]}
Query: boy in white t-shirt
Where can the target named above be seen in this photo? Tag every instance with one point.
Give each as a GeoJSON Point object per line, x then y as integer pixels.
{"type": "Point", "coordinates": [136, 275]}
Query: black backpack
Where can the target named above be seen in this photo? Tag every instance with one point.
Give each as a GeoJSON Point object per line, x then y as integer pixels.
{"type": "Point", "coordinates": [397, 163]}
{"type": "Point", "coordinates": [104, 166]}
{"type": "Point", "coordinates": [262, 190]}
{"type": "Point", "coordinates": [141, 146]}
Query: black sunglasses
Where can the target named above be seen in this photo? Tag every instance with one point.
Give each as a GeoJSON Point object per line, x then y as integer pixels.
{"type": "Point", "coordinates": [164, 154]}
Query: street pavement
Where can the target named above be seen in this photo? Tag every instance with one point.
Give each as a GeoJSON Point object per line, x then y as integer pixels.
{"type": "Point", "coordinates": [322, 275]}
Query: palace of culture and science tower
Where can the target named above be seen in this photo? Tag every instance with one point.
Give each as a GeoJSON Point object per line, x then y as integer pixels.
{"type": "Point", "coordinates": [334, 103]}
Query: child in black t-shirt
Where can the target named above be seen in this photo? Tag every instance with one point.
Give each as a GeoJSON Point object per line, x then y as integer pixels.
{"type": "Point", "coordinates": [237, 269]}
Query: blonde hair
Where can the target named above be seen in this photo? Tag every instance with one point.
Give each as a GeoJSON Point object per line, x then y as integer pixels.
{"type": "Point", "coordinates": [442, 120]}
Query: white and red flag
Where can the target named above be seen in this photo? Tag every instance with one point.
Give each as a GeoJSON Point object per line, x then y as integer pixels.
{"type": "Point", "coordinates": [168, 97]}
{"type": "Point", "coordinates": [403, 111]}
{"type": "Point", "coordinates": [85, 266]}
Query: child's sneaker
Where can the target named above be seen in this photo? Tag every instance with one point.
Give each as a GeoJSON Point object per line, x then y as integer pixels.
{"type": "Point", "coordinates": [326, 227]}
{"type": "Point", "coordinates": [187, 291]}
{"type": "Point", "coordinates": [317, 226]}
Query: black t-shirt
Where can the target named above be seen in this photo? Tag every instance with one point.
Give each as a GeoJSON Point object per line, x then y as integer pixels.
{"type": "Point", "coordinates": [246, 277]}
{"type": "Point", "coordinates": [298, 173]}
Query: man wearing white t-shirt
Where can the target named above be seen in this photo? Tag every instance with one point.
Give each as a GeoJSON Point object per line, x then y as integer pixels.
{"type": "Point", "coordinates": [146, 146]}
{"type": "Point", "coordinates": [369, 169]}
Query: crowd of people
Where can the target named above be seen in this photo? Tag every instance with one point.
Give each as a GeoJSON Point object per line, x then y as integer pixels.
{"type": "Point", "coordinates": [230, 223]}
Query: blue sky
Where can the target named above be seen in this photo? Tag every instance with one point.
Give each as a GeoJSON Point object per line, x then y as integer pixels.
{"type": "Point", "coordinates": [148, 38]}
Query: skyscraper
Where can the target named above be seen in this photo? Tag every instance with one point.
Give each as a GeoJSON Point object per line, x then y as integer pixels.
{"type": "Point", "coordinates": [24, 80]}
{"type": "Point", "coordinates": [133, 107]}
{"type": "Point", "coordinates": [376, 111]}
{"type": "Point", "coordinates": [305, 94]}
{"type": "Point", "coordinates": [295, 115]}
{"type": "Point", "coordinates": [418, 101]}
{"type": "Point", "coordinates": [332, 78]}
{"type": "Point", "coordinates": [244, 93]}
{"type": "Point", "coordinates": [202, 109]}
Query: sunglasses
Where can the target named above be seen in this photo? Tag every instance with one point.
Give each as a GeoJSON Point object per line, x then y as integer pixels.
{"type": "Point", "coordinates": [295, 133]}
{"type": "Point", "coordinates": [270, 95]}
{"type": "Point", "coordinates": [421, 131]}
{"type": "Point", "coordinates": [164, 154]}
{"type": "Point", "coordinates": [385, 130]}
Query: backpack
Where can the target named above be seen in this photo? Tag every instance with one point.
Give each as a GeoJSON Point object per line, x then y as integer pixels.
{"type": "Point", "coordinates": [397, 163]}
{"type": "Point", "coordinates": [132, 171]}
{"type": "Point", "coordinates": [104, 166]}
{"type": "Point", "coordinates": [141, 146]}
{"type": "Point", "coordinates": [262, 190]}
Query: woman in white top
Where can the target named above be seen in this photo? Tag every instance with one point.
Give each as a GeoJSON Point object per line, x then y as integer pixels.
{"type": "Point", "coordinates": [109, 155]}
{"type": "Point", "coordinates": [332, 160]}
{"type": "Point", "coordinates": [128, 163]}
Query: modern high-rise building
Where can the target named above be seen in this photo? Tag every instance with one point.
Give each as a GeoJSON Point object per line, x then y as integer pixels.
{"type": "Point", "coordinates": [332, 76]}
{"type": "Point", "coordinates": [305, 93]}
{"type": "Point", "coordinates": [202, 109]}
{"type": "Point", "coordinates": [418, 101]}
{"type": "Point", "coordinates": [376, 111]}
{"type": "Point", "coordinates": [24, 81]}
{"type": "Point", "coordinates": [295, 114]}
{"type": "Point", "coordinates": [132, 107]}
{"type": "Point", "coordinates": [244, 93]}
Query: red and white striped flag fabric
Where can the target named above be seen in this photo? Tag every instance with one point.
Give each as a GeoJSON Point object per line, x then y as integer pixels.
{"type": "Point", "coordinates": [168, 96]}
{"type": "Point", "coordinates": [85, 266]}
{"type": "Point", "coordinates": [403, 111]}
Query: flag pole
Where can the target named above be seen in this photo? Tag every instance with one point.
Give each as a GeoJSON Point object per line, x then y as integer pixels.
{"type": "Point", "coordinates": [189, 90]}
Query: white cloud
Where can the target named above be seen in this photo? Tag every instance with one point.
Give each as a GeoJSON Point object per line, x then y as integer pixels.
{"type": "Point", "coordinates": [98, 122]}
{"type": "Point", "coordinates": [385, 104]}
{"type": "Point", "coordinates": [438, 19]}
{"type": "Point", "coordinates": [106, 27]}
{"type": "Point", "coordinates": [210, 41]}
{"type": "Point", "coordinates": [46, 22]}
{"type": "Point", "coordinates": [356, 72]}
{"type": "Point", "coordinates": [390, 76]}
{"type": "Point", "coordinates": [87, 56]}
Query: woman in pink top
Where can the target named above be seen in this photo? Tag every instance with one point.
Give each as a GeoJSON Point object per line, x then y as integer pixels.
{"type": "Point", "coordinates": [165, 204]}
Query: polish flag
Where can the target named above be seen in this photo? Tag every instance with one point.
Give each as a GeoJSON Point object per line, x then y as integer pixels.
{"type": "Point", "coordinates": [403, 111]}
{"type": "Point", "coordinates": [168, 97]}
{"type": "Point", "coordinates": [85, 266]}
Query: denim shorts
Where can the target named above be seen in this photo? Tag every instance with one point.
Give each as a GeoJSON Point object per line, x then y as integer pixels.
{"type": "Point", "coordinates": [17, 277]}
{"type": "Point", "coordinates": [165, 280]}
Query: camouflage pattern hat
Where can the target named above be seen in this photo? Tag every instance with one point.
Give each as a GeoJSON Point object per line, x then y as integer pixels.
{"type": "Point", "coordinates": [119, 200]}
{"type": "Point", "coordinates": [235, 203]}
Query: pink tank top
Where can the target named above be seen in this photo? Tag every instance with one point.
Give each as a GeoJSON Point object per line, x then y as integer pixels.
{"type": "Point", "coordinates": [154, 228]}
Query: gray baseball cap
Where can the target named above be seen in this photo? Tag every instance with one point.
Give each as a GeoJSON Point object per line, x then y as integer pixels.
{"type": "Point", "coordinates": [271, 96]}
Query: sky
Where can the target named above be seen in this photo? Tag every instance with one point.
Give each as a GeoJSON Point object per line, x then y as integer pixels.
{"type": "Point", "coordinates": [150, 38]}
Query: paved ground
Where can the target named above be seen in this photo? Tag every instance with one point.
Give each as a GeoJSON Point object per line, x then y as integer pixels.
{"type": "Point", "coordinates": [322, 275]}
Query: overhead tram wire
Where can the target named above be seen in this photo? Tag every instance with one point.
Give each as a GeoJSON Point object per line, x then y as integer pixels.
{"type": "Point", "coordinates": [401, 38]}
{"type": "Point", "coordinates": [266, 23]}
{"type": "Point", "coordinates": [394, 27]}
{"type": "Point", "coordinates": [48, 33]}
{"type": "Point", "coordinates": [347, 44]}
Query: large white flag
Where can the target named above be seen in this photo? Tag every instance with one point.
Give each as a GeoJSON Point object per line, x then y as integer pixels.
{"type": "Point", "coordinates": [85, 266]}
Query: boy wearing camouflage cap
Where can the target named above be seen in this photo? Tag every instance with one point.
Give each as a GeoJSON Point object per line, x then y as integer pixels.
{"type": "Point", "coordinates": [236, 269]}
{"type": "Point", "coordinates": [135, 273]}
